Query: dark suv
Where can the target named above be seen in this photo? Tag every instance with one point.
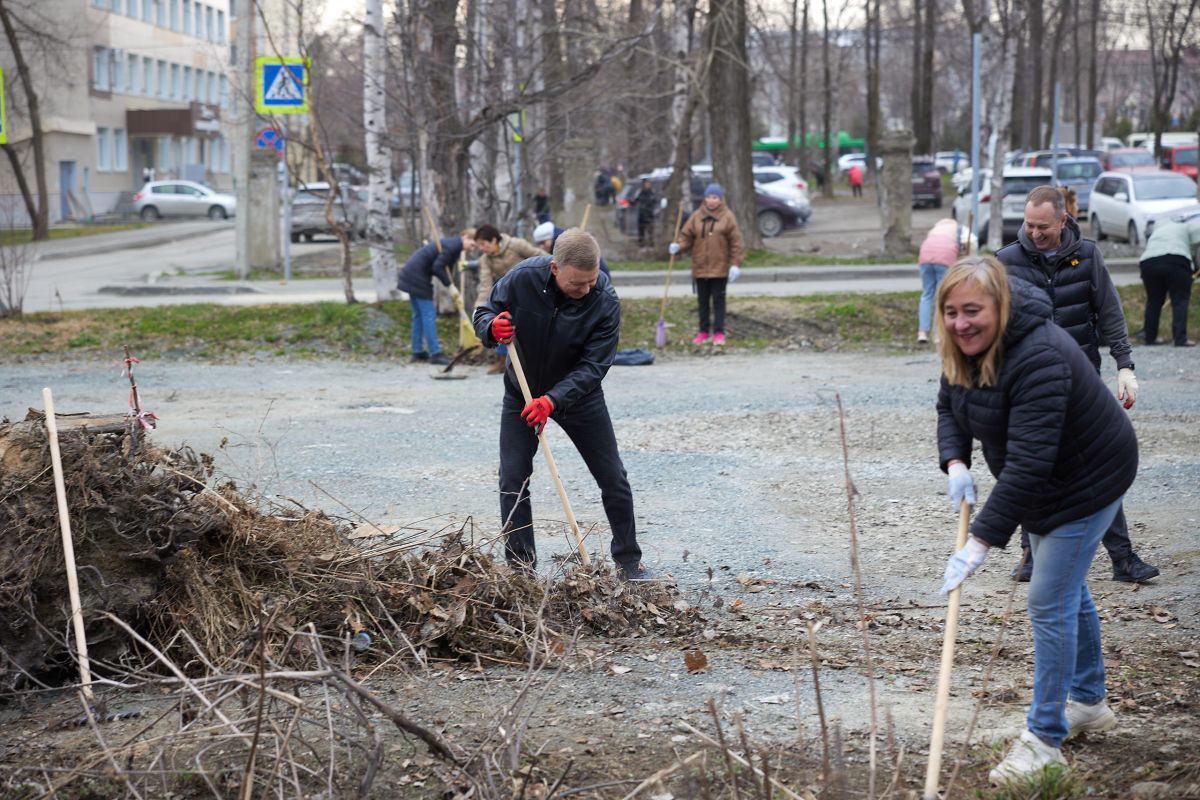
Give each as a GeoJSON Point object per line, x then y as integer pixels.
{"type": "Point", "coordinates": [774, 215]}
{"type": "Point", "coordinates": [926, 183]}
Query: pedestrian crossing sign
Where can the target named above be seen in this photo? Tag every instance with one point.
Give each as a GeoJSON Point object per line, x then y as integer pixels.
{"type": "Point", "coordinates": [281, 85]}
{"type": "Point", "coordinates": [3, 117]}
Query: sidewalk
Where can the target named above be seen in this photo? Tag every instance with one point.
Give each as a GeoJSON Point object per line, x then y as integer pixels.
{"type": "Point", "coordinates": [775, 281]}
{"type": "Point", "coordinates": [154, 234]}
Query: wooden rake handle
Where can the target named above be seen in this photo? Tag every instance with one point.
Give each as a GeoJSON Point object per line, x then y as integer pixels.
{"type": "Point", "coordinates": [662, 311]}
{"type": "Point", "coordinates": [933, 771]}
{"type": "Point", "coordinates": [558, 484]}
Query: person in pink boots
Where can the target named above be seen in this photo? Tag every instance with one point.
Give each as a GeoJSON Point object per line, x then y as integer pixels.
{"type": "Point", "coordinates": [712, 236]}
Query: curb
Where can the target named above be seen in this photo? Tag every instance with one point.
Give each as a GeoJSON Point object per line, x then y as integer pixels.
{"type": "Point", "coordinates": [149, 290]}
{"type": "Point", "coordinates": [114, 247]}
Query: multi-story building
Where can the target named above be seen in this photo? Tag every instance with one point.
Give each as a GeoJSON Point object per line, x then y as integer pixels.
{"type": "Point", "coordinates": [140, 86]}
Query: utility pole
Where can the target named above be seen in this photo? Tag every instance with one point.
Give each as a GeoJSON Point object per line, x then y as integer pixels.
{"type": "Point", "coordinates": [243, 104]}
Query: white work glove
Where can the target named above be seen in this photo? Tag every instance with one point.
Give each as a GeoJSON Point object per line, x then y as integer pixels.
{"type": "Point", "coordinates": [961, 486]}
{"type": "Point", "coordinates": [454, 292]}
{"type": "Point", "coordinates": [735, 272]}
{"type": "Point", "coordinates": [673, 249]}
{"type": "Point", "coordinates": [963, 564]}
{"type": "Point", "coordinates": [1127, 387]}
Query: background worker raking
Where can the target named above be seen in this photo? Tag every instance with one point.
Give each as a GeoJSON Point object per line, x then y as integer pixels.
{"type": "Point", "coordinates": [434, 260]}
{"type": "Point", "coordinates": [1051, 254]}
{"type": "Point", "coordinates": [565, 318]}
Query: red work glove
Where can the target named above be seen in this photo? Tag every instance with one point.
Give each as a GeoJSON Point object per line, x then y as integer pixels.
{"type": "Point", "coordinates": [503, 328]}
{"type": "Point", "coordinates": [537, 411]}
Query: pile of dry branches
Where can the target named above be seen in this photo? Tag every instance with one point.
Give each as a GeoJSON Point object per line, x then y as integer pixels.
{"type": "Point", "coordinates": [209, 576]}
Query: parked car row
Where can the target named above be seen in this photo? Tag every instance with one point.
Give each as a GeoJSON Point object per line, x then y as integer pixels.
{"type": "Point", "coordinates": [1017, 183]}
{"type": "Point", "coordinates": [787, 208]}
{"type": "Point", "coordinates": [308, 212]}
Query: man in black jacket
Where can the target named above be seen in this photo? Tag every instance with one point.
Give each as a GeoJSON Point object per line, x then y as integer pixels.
{"type": "Point", "coordinates": [1051, 253]}
{"type": "Point", "coordinates": [565, 316]}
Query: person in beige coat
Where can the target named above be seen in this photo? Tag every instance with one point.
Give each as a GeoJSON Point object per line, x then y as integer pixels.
{"type": "Point", "coordinates": [501, 253]}
{"type": "Point", "coordinates": [712, 236]}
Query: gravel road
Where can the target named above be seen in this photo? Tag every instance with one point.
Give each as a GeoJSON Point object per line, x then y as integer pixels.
{"type": "Point", "coordinates": [736, 464]}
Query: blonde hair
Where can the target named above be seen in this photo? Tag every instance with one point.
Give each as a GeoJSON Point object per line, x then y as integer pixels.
{"type": "Point", "coordinates": [577, 248]}
{"type": "Point", "coordinates": [988, 275]}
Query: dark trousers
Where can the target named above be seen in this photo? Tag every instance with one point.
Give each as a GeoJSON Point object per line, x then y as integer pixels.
{"type": "Point", "coordinates": [645, 221]}
{"type": "Point", "coordinates": [1162, 276]}
{"type": "Point", "coordinates": [712, 290]}
{"type": "Point", "coordinates": [856, 189]}
{"type": "Point", "coordinates": [1116, 538]}
{"type": "Point", "coordinates": [590, 429]}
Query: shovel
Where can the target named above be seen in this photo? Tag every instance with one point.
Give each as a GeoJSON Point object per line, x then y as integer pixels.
{"type": "Point", "coordinates": [934, 769]}
{"type": "Point", "coordinates": [660, 332]}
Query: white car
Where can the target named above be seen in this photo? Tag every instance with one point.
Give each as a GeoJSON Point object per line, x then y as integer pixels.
{"type": "Point", "coordinates": [1122, 202]}
{"type": "Point", "coordinates": [784, 183]}
{"type": "Point", "coordinates": [1018, 182]}
{"type": "Point", "coordinates": [951, 162]}
{"type": "Point", "coordinates": [159, 199]}
{"type": "Point", "coordinates": [848, 160]}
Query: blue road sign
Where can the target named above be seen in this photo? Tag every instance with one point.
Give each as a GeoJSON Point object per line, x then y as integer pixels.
{"type": "Point", "coordinates": [281, 85]}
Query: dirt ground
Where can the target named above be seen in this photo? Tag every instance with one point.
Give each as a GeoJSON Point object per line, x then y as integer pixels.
{"type": "Point", "coordinates": [737, 467]}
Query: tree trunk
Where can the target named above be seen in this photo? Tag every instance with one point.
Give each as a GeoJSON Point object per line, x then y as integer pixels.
{"type": "Point", "coordinates": [793, 88]}
{"type": "Point", "coordinates": [1054, 115]}
{"type": "Point", "coordinates": [1000, 118]}
{"type": "Point", "coordinates": [827, 110]}
{"type": "Point", "coordinates": [803, 91]}
{"type": "Point", "coordinates": [925, 137]}
{"type": "Point", "coordinates": [40, 219]}
{"type": "Point", "coordinates": [555, 123]}
{"type": "Point", "coordinates": [1077, 100]}
{"type": "Point", "coordinates": [1036, 91]}
{"type": "Point", "coordinates": [873, 27]}
{"type": "Point", "coordinates": [1093, 79]}
{"type": "Point", "coordinates": [729, 114]}
{"type": "Point", "coordinates": [914, 88]}
{"type": "Point", "coordinates": [379, 157]}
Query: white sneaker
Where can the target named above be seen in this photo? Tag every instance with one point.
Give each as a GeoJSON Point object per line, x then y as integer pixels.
{"type": "Point", "coordinates": [1027, 756]}
{"type": "Point", "coordinates": [1082, 718]}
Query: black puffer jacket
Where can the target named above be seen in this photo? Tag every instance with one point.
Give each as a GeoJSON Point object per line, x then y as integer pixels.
{"type": "Point", "coordinates": [1053, 435]}
{"type": "Point", "coordinates": [566, 346]}
{"type": "Point", "coordinates": [427, 263]}
{"type": "Point", "coordinates": [1081, 290]}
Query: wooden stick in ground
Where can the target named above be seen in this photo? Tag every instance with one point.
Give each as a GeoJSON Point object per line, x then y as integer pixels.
{"type": "Point", "coordinates": [662, 311]}
{"type": "Point", "coordinates": [587, 212]}
{"type": "Point", "coordinates": [64, 521]}
{"type": "Point", "coordinates": [934, 768]}
{"type": "Point", "coordinates": [550, 465]}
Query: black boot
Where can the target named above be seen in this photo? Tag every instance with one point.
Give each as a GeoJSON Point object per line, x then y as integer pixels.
{"type": "Point", "coordinates": [1132, 569]}
{"type": "Point", "coordinates": [1024, 571]}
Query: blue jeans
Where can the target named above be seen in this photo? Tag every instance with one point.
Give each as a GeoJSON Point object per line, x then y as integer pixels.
{"type": "Point", "coordinates": [1067, 660]}
{"type": "Point", "coordinates": [424, 326]}
{"type": "Point", "coordinates": [590, 429]}
{"type": "Point", "coordinates": [931, 278]}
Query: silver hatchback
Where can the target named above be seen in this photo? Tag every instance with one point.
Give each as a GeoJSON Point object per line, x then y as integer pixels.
{"type": "Point", "coordinates": [159, 199]}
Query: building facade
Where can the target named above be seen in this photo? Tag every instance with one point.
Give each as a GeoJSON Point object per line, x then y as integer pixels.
{"type": "Point", "coordinates": [140, 89]}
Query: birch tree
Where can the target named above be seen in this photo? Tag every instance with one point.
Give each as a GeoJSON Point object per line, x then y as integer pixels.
{"type": "Point", "coordinates": [379, 159]}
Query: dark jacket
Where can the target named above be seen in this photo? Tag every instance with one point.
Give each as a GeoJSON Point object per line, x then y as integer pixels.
{"type": "Point", "coordinates": [417, 274]}
{"type": "Point", "coordinates": [1053, 435]}
{"type": "Point", "coordinates": [566, 348]}
{"type": "Point", "coordinates": [1081, 290]}
{"type": "Point", "coordinates": [646, 201]}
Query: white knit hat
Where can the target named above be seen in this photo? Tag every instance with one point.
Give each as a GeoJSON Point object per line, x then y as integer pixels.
{"type": "Point", "coordinates": [543, 232]}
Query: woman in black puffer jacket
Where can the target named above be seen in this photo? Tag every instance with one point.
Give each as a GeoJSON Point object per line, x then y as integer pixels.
{"type": "Point", "coordinates": [1063, 454]}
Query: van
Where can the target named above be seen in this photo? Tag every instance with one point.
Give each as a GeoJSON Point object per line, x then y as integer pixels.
{"type": "Point", "coordinates": [1180, 158]}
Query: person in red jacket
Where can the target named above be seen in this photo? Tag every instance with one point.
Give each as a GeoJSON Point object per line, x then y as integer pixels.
{"type": "Point", "coordinates": [855, 174]}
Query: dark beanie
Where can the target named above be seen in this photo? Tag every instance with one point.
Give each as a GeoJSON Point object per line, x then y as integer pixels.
{"type": "Point", "coordinates": [714, 188]}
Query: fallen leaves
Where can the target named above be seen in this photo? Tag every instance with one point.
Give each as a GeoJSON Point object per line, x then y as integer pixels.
{"type": "Point", "coordinates": [695, 661]}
